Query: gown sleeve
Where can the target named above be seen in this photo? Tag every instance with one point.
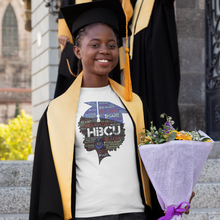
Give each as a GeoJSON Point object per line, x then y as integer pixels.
{"type": "Point", "coordinates": [65, 78]}
{"type": "Point", "coordinates": [46, 203]}
{"type": "Point", "coordinates": [173, 41]}
{"type": "Point", "coordinates": [156, 211]}
{"type": "Point", "coordinates": [63, 29]}
{"type": "Point", "coordinates": [168, 3]}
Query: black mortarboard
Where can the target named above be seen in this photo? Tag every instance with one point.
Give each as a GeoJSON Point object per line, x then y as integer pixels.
{"type": "Point", "coordinates": [109, 12]}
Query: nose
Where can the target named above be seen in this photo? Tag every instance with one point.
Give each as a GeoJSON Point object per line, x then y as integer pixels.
{"type": "Point", "coordinates": [104, 50]}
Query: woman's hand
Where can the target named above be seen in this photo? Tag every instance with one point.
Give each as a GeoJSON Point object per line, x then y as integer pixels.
{"type": "Point", "coordinates": [186, 207]}
{"type": "Point", "coordinates": [192, 195]}
{"type": "Point", "coordinates": [63, 40]}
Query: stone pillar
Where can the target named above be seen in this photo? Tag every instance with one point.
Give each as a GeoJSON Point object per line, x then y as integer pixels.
{"type": "Point", "coordinates": [27, 14]}
{"type": "Point", "coordinates": [191, 36]}
{"type": "Point", "coordinates": [45, 50]}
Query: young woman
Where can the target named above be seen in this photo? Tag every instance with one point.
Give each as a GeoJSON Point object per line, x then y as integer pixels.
{"type": "Point", "coordinates": [65, 77]}
{"type": "Point", "coordinates": [86, 162]}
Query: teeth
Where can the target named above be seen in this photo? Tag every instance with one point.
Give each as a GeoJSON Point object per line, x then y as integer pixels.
{"type": "Point", "coordinates": [103, 61]}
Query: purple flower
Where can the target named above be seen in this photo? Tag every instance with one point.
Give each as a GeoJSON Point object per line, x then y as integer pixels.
{"type": "Point", "coordinates": [166, 131]}
{"type": "Point", "coordinates": [169, 125]}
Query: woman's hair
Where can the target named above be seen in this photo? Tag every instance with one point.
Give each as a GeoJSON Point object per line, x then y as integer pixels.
{"type": "Point", "coordinates": [82, 32]}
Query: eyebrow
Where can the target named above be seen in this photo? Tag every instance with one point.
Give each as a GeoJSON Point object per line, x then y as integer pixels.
{"type": "Point", "coordinates": [99, 40]}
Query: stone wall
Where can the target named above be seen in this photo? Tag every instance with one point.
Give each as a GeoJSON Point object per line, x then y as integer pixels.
{"type": "Point", "coordinates": [15, 72]}
{"type": "Point", "coordinates": [45, 53]}
{"type": "Point", "coordinates": [8, 99]}
{"type": "Point", "coordinates": [190, 18]}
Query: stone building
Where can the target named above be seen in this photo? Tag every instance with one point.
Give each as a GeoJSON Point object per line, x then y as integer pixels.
{"type": "Point", "coordinates": [15, 59]}
{"type": "Point", "coordinates": [15, 177]}
{"type": "Point", "coordinates": [190, 18]}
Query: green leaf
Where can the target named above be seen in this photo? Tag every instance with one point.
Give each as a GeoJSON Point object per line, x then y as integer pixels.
{"type": "Point", "coordinates": [172, 136]}
{"type": "Point", "coordinates": [162, 141]}
{"type": "Point", "coordinates": [205, 139]}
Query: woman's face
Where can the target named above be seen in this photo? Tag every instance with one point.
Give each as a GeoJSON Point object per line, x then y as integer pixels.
{"type": "Point", "coordinates": [98, 51]}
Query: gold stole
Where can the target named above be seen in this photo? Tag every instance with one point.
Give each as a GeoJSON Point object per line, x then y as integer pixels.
{"type": "Point", "coordinates": [61, 119]}
{"type": "Point", "coordinates": [141, 18]}
{"type": "Point", "coordinates": [82, 1]}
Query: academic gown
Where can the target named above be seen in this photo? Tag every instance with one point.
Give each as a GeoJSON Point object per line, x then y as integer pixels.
{"type": "Point", "coordinates": [155, 71]}
{"type": "Point", "coordinates": [53, 182]}
{"type": "Point", "coordinates": [65, 78]}
{"type": "Point", "coordinates": [46, 202]}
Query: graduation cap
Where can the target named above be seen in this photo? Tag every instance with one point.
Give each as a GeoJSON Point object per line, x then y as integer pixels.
{"type": "Point", "coordinates": [109, 12]}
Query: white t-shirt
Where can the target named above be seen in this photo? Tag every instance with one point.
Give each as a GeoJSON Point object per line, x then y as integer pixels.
{"type": "Point", "coordinates": [106, 170]}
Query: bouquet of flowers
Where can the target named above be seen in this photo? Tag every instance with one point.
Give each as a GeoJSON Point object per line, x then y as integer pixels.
{"type": "Point", "coordinates": [174, 161]}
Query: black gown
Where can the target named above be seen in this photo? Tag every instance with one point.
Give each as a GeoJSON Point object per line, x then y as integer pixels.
{"type": "Point", "coordinates": [65, 78]}
{"type": "Point", "coordinates": [45, 193]}
{"type": "Point", "coordinates": [46, 202]}
{"type": "Point", "coordinates": [155, 71]}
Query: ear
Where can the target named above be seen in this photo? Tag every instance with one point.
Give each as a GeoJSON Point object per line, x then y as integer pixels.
{"type": "Point", "coordinates": [77, 52]}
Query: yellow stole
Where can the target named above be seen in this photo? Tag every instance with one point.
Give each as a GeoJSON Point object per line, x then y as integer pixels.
{"type": "Point", "coordinates": [61, 119]}
{"type": "Point", "coordinates": [141, 18]}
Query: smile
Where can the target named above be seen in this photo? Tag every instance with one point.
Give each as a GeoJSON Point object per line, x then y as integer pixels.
{"type": "Point", "coordinates": [103, 61]}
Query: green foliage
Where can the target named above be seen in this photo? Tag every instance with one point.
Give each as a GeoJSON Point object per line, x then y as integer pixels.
{"type": "Point", "coordinates": [169, 133]}
{"type": "Point", "coordinates": [172, 136]}
{"type": "Point", "coordinates": [16, 138]}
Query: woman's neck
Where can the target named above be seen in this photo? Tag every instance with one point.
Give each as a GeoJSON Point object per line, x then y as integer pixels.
{"type": "Point", "coordinates": [94, 81]}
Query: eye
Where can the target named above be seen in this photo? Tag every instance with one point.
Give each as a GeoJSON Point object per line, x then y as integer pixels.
{"type": "Point", "coordinates": [112, 46]}
{"type": "Point", "coordinates": [95, 45]}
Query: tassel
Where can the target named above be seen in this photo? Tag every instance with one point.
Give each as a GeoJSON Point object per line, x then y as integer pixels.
{"type": "Point", "coordinates": [128, 96]}
{"type": "Point", "coordinates": [68, 64]}
{"type": "Point", "coordinates": [127, 77]}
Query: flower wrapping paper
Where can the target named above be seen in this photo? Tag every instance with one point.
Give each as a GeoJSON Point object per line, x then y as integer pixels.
{"type": "Point", "coordinates": [174, 168]}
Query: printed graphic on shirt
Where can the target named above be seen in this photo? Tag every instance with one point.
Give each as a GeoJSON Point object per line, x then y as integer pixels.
{"type": "Point", "coordinates": [103, 128]}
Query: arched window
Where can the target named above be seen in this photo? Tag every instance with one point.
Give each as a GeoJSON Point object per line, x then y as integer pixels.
{"type": "Point", "coordinates": [9, 33]}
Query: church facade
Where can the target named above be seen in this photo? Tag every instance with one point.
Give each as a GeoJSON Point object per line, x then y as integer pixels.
{"type": "Point", "coordinates": [15, 59]}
